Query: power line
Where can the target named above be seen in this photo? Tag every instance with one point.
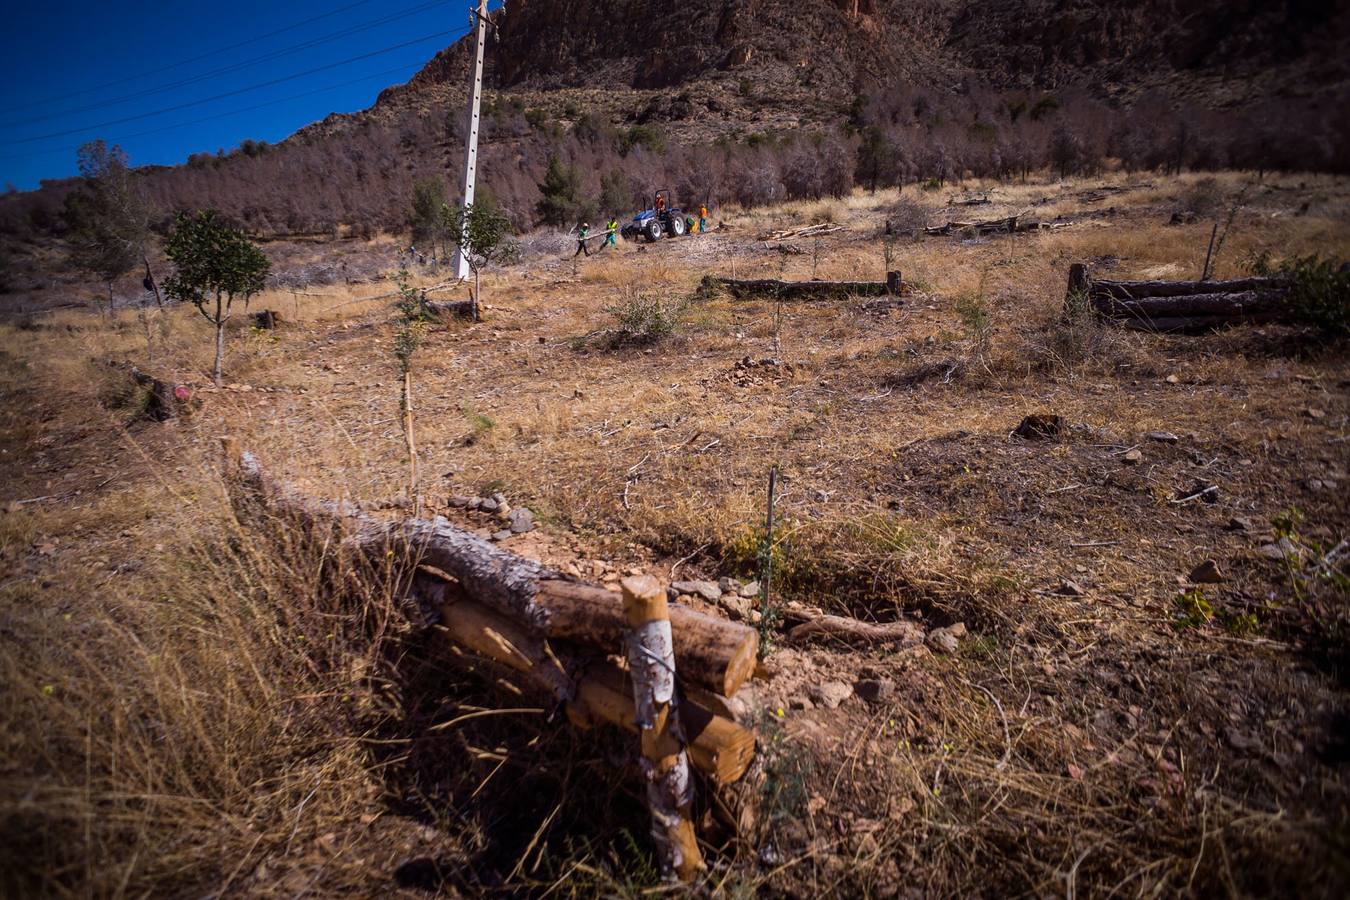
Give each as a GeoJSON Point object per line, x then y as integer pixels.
{"type": "Point", "coordinates": [242, 64]}
{"type": "Point", "coordinates": [212, 118]}
{"type": "Point", "coordinates": [187, 60]}
{"type": "Point", "coordinates": [243, 90]}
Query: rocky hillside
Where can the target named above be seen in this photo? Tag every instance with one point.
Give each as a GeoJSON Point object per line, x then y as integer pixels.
{"type": "Point", "coordinates": [1215, 50]}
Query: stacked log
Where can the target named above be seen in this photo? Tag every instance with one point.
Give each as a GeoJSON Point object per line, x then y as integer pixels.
{"type": "Point", "coordinates": [1007, 225]}
{"type": "Point", "coordinates": [1181, 306]}
{"type": "Point", "coordinates": [556, 633]}
{"type": "Point", "coordinates": [777, 289]}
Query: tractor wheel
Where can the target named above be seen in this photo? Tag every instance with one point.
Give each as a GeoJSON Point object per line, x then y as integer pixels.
{"type": "Point", "coordinates": [677, 225]}
{"type": "Point", "coordinates": [653, 229]}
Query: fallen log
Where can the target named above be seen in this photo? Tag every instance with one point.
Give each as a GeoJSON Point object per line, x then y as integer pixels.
{"type": "Point", "coordinates": [901, 632]}
{"type": "Point", "coordinates": [776, 289]}
{"type": "Point", "coordinates": [1133, 290]}
{"type": "Point", "coordinates": [594, 693]}
{"type": "Point", "coordinates": [711, 651]}
{"type": "Point", "coordinates": [1193, 324]}
{"type": "Point", "coordinates": [1238, 305]}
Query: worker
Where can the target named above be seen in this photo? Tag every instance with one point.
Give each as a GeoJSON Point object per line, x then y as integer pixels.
{"type": "Point", "coordinates": [703, 218]}
{"type": "Point", "coordinates": [612, 232]}
{"type": "Point", "coordinates": [660, 203]}
{"type": "Point", "coordinates": [582, 231]}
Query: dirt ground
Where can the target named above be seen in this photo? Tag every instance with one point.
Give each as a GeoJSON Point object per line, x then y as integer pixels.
{"type": "Point", "coordinates": [176, 721]}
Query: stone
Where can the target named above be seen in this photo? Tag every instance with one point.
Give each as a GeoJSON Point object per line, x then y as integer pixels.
{"type": "Point", "coordinates": [728, 585]}
{"type": "Point", "coordinates": [1172, 379]}
{"type": "Point", "coordinates": [487, 504]}
{"type": "Point", "coordinates": [1314, 413]}
{"type": "Point", "coordinates": [829, 694]}
{"type": "Point", "coordinates": [1069, 588]}
{"type": "Point", "coordinates": [874, 690]}
{"type": "Point", "coordinates": [739, 606]}
{"type": "Point", "coordinates": [749, 590]}
{"type": "Point", "coordinates": [1239, 523]}
{"type": "Point", "coordinates": [1283, 549]}
{"type": "Point", "coordinates": [1162, 437]}
{"type": "Point", "coordinates": [1132, 457]}
{"type": "Point", "coordinates": [500, 498]}
{"type": "Point", "coordinates": [457, 502]}
{"type": "Point", "coordinates": [501, 535]}
{"type": "Point", "coordinates": [800, 703]}
{"type": "Point", "coordinates": [708, 590]}
{"type": "Point", "coordinates": [958, 629]}
{"type": "Point", "coordinates": [941, 640]}
{"type": "Point", "coordinates": [1207, 573]}
{"type": "Point", "coordinates": [521, 519]}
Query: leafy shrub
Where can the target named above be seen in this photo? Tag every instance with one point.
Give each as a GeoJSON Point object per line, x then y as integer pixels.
{"type": "Point", "coordinates": [644, 318]}
{"type": "Point", "coordinates": [1320, 295]}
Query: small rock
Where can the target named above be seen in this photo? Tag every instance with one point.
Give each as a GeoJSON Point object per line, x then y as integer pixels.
{"type": "Point", "coordinates": [708, 590]}
{"type": "Point", "coordinates": [572, 570]}
{"type": "Point", "coordinates": [821, 496]}
{"type": "Point", "coordinates": [958, 629]}
{"type": "Point", "coordinates": [1239, 523]}
{"type": "Point", "coordinates": [830, 694]}
{"type": "Point", "coordinates": [737, 605]}
{"type": "Point", "coordinates": [874, 690]}
{"type": "Point", "coordinates": [1207, 573]}
{"type": "Point", "coordinates": [1172, 379]}
{"type": "Point", "coordinates": [800, 703]}
{"type": "Point", "coordinates": [1133, 457]}
{"type": "Point", "coordinates": [457, 502]}
{"type": "Point", "coordinates": [1162, 437]}
{"type": "Point", "coordinates": [1282, 549]}
{"type": "Point", "coordinates": [474, 503]}
{"type": "Point", "coordinates": [487, 504]}
{"type": "Point", "coordinates": [521, 519]}
{"type": "Point", "coordinates": [728, 585]}
{"type": "Point", "coordinates": [500, 498]}
{"type": "Point", "coordinates": [1314, 413]}
{"type": "Point", "coordinates": [749, 590]}
{"type": "Point", "coordinates": [501, 535]}
{"type": "Point", "coordinates": [942, 640]}
{"type": "Point", "coordinates": [1069, 588]}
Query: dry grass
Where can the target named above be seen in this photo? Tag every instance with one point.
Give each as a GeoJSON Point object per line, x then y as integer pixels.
{"type": "Point", "coordinates": [1079, 744]}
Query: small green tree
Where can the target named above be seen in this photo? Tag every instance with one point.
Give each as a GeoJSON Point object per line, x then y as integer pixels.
{"type": "Point", "coordinates": [430, 217]}
{"type": "Point", "coordinates": [485, 241]}
{"type": "Point", "coordinates": [412, 319]}
{"type": "Point", "coordinates": [107, 216]}
{"type": "Point", "coordinates": [561, 189]}
{"type": "Point", "coordinates": [214, 264]}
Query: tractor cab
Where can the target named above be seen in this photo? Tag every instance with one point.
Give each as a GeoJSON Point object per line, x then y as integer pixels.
{"type": "Point", "coordinates": [661, 218]}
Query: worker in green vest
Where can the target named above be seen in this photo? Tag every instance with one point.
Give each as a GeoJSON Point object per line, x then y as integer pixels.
{"type": "Point", "coordinates": [583, 235]}
{"type": "Point", "coordinates": [612, 232]}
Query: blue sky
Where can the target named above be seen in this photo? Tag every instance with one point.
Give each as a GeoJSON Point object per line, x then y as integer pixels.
{"type": "Point", "coordinates": [165, 80]}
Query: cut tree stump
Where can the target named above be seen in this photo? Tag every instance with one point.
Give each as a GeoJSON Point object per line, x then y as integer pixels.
{"type": "Point", "coordinates": [164, 401]}
{"type": "Point", "coordinates": [446, 310]}
{"type": "Point", "coordinates": [1182, 306]}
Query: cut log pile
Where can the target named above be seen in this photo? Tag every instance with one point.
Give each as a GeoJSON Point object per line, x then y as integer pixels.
{"type": "Point", "coordinates": [1182, 306]}
{"type": "Point", "coordinates": [1008, 225]}
{"type": "Point", "coordinates": [820, 228]}
{"type": "Point", "coordinates": [776, 289]}
{"type": "Point", "coordinates": [603, 656]}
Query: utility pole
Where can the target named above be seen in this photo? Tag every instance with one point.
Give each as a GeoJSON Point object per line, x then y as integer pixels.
{"type": "Point", "coordinates": [479, 16]}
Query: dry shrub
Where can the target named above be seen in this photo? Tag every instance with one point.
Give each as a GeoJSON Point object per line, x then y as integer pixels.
{"type": "Point", "coordinates": [907, 217]}
{"type": "Point", "coordinates": [201, 718]}
{"type": "Point", "coordinates": [1203, 199]}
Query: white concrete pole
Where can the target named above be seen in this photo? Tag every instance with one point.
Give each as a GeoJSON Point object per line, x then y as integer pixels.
{"type": "Point", "coordinates": [471, 136]}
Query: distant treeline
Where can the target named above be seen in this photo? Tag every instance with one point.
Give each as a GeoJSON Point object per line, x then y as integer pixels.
{"type": "Point", "coordinates": [360, 175]}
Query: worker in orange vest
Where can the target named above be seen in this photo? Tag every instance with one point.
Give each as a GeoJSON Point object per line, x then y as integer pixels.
{"type": "Point", "coordinates": [703, 218]}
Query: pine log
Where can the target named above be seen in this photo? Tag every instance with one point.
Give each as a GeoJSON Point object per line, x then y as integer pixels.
{"type": "Point", "coordinates": [711, 651]}
{"type": "Point", "coordinates": [451, 309]}
{"type": "Point", "coordinates": [1234, 305]}
{"type": "Point", "coordinates": [670, 790]}
{"type": "Point", "coordinates": [776, 289]}
{"type": "Point", "coordinates": [1128, 290]}
{"type": "Point", "coordinates": [1193, 324]}
{"type": "Point", "coordinates": [718, 654]}
{"type": "Point", "coordinates": [901, 632]}
{"type": "Point", "coordinates": [718, 746]}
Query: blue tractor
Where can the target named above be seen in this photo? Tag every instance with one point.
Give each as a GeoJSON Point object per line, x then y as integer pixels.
{"type": "Point", "coordinates": [660, 219]}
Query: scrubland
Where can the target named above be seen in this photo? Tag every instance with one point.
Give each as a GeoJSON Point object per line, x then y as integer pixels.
{"type": "Point", "coordinates": [187, 711]}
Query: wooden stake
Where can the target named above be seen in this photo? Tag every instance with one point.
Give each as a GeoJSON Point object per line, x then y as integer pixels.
{"type": "Point", "coordinates": [414, 494]}
{"type": "Point", "coordinates": [651, 661]}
